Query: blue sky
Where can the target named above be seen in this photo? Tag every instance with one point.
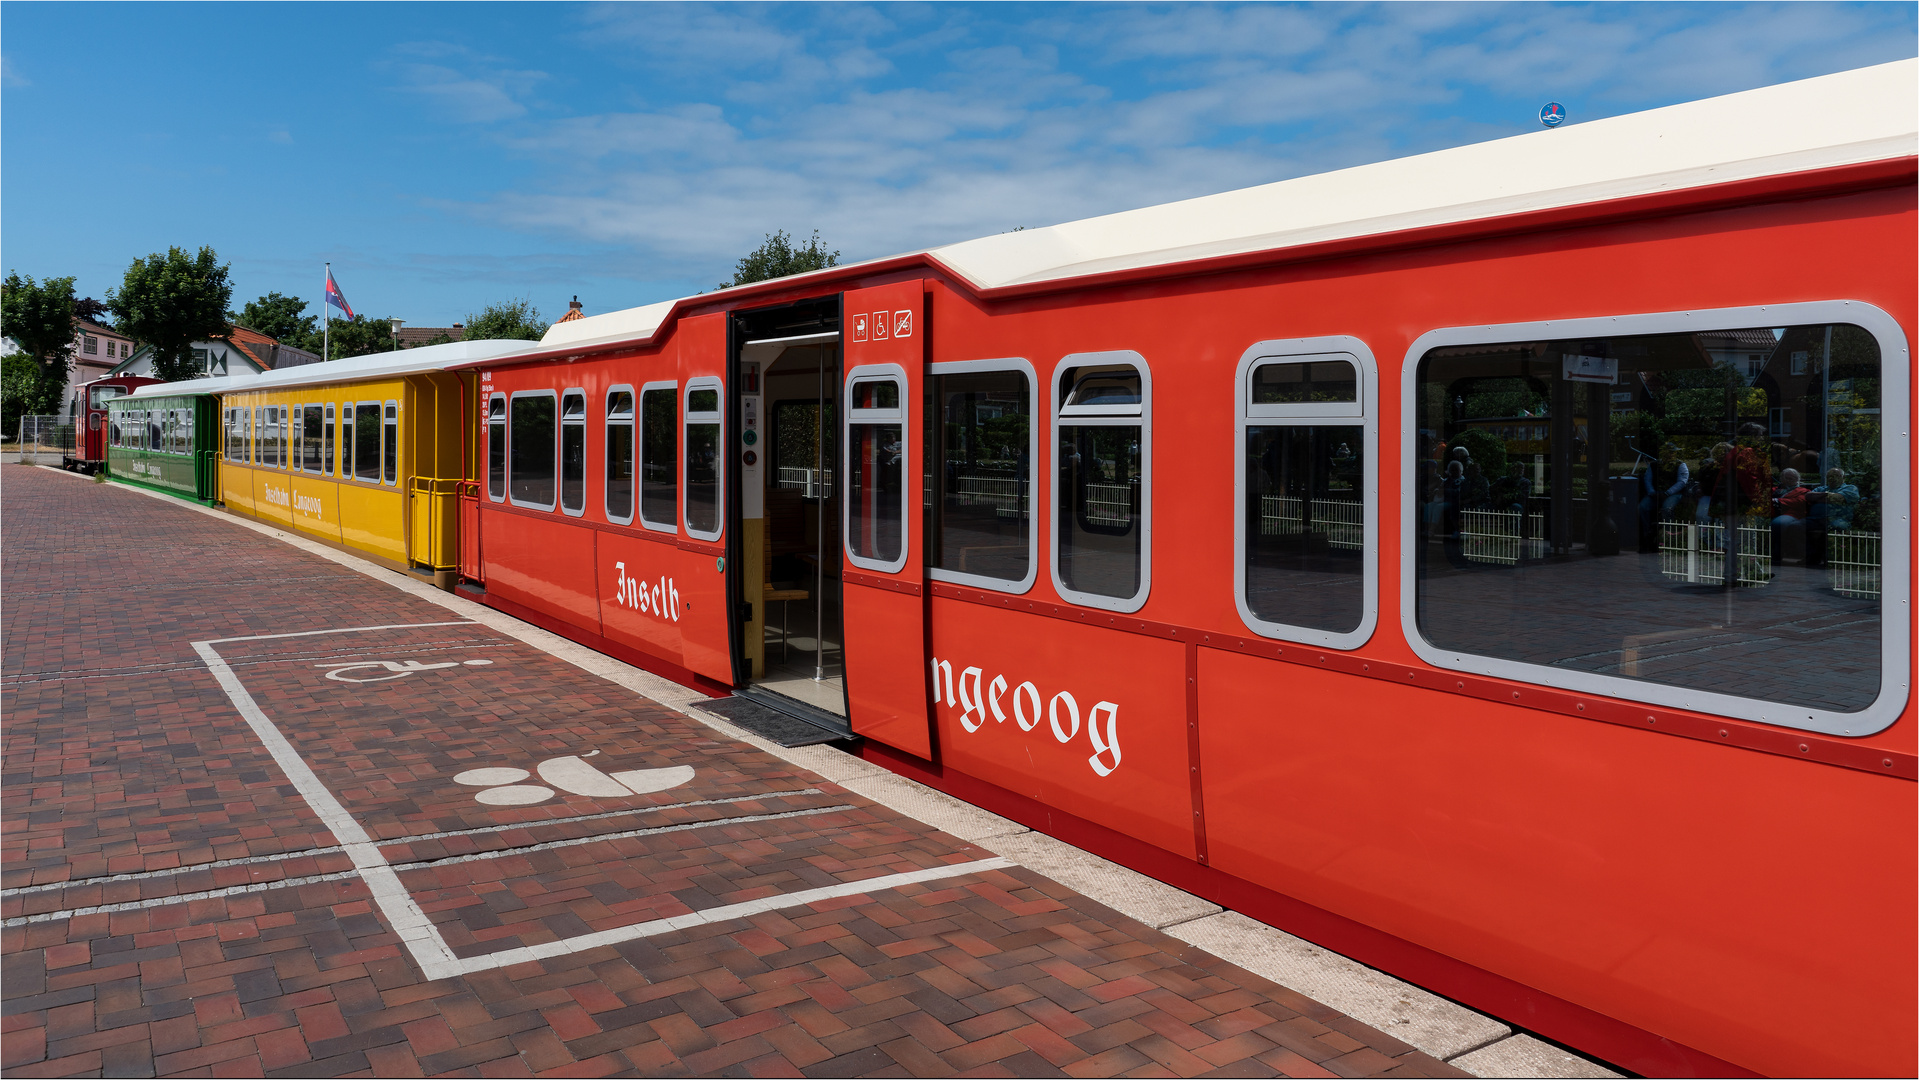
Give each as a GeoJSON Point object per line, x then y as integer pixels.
{"type": "Point", "coordinates": [446, 156]}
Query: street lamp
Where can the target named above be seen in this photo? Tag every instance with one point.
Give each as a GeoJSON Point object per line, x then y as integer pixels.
{"type": "Point", "coordinates": [397, 323]}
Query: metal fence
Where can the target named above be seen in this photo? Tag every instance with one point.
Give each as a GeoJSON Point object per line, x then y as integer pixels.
{"type": "Point", "coordinates": [1340, 521]}
{"type": "Point", "coordinates": [1501, 537]}
{"type": "Point", "coordinates": [1852, 558]}
{"type": "Point", "coordinates": [1696, 553]}
{"type": "Point", "coordinates": [43, 440]}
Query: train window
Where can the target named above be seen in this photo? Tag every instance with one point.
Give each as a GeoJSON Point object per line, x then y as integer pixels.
{"type": "Point", "coordinates": [255, 455]}
{"type": "Point", "coordinates": [619, 455]}
{"type": "Point", "coordinates": [531, 448]}
{"type": "Point", "coordinates": [311, 429]}
{"type": "Point", "coordinates": [366, 441]}
{"type": "Point", "coordinates": [153, 430]}
{"type": "Point", "coordinates": [390, 445]}
{"type": "Point", "coordinates": [874, 508]}
{"type": "Point", "coordinates": [659, 446]}
{"type": "Point", "coordinates": [982, 446]}
{"type": "Point", "coordinates": [705, 471]}
{"type": "Point", "coordinates": [1637, 507]}
{"type": "Point", "coordinates": [1305, 558]}
{"type": "Point", "coordinates": [573, 452]}
{"type": "Point", "coordinates": [346, 439]}
{"type": "Point", "coordinates": [326, 442]}
{"type": "Point", "coordinates": [496, 448]}
{"type": "Point", "coordinates": [1102, 414]}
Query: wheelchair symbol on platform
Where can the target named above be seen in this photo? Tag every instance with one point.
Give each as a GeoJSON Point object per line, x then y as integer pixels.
{"type": "Point", "coordinates": [391, 669]}
{"type": "Point", "coordinates": [570, 774]}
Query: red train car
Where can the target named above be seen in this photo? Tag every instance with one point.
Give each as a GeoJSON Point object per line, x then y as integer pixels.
{"type": "Point", "coordinates": [1494, 565]}
{"type": "Point", "coordinates": [92, 432]}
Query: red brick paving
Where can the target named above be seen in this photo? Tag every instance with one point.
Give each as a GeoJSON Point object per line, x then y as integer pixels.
{"type": "Point", "coordinates": [123, 757]}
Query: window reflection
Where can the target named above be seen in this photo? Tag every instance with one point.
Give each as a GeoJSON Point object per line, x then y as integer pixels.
{"type": "Point", "coordinates": [1305, 524]}
{"type": "Point", "coordinates": [982, 476]}
{"type": "Point", "coordinates": [1690, 509]}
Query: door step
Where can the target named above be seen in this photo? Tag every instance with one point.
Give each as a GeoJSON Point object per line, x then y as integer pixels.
{"type": "Point", "coordinates": [779, 719]}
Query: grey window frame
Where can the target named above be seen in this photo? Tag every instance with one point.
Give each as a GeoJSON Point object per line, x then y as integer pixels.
{"type": "Point", "coordinates": [688, 419]}
{"type": "Point", "coordinates": [900, 414]}
{"type": "Point", "coordinates": [510, 399]}
{"type": "Point", "coordinates": [1895, 361]}
{"type": "Point", "coordinates": [1103, 416]}
{"type": "Point", "coordinates": [506, 461]}
{"type": "Point", "coordinates": [606, 456]}
{"type": "Point", "coordinates": [347, 448]}
{"type": "Point", "coordinates": [390, 464]}
{"type": "Point", "coordinates": [639, 455]}
{"type": "Point", "coordinates": [1364, 413]}
{"type": "Point", "coordinates": [356, 477]}
{"type": "Point", "coordinates": [1035, 512]}
{"type": "Point", "coordinates": [559, 461]}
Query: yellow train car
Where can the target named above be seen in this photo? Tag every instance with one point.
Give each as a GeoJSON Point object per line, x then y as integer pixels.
{"type": "Point", "coordinates": [365, 453]}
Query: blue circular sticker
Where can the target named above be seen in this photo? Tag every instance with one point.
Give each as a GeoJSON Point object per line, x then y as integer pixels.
{"type": "Point", "coordinates": [1552, 114]}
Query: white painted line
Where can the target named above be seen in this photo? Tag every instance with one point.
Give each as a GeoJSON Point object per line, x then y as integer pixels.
{"type": "Point", "coordinates": [742, 910]}
{"type": "Point", "coordinates": [422, 939]}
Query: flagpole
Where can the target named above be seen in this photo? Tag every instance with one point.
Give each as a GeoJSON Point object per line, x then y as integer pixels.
{"type": "Point", "coordinates": [326, 316]}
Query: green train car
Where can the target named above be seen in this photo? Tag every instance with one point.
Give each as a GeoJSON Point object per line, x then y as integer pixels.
{"type": "Point", "coordinates": [167, 442]}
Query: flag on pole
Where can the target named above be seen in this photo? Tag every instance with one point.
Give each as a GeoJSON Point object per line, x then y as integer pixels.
{"type": "Point", "coordinates": [334, 296]}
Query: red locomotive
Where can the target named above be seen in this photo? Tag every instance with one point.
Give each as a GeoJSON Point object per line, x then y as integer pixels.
{"type": "Point", "coordinates": [92, 432]}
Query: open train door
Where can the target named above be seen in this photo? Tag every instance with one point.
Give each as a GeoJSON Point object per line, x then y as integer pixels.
{"type": "Point", "coordinates": [881, 525]}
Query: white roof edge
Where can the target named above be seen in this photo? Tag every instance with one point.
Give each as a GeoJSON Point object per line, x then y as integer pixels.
{"type": "Point", "coordinates": [1847, 118]}
{"type": "Point", "coordinates": [384, 365]}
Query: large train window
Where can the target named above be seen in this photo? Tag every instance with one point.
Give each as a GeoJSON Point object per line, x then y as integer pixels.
{"type": "Point", "coordinates": [313, 438]}
{"type": "Point", "coordinates": [659, 445]}
{"type": "Point", "coordinates": [496, 448]}
{"type": "Point", "coordinates": [366, 441]}
{"type": "Point", "coordinates": [873, 510]}
{"type": "Point", "coordinates": [390, 445]}
{"type": "Point", "coordinates": [1102, 416]}
{"type": "Point", "coordinates": [619, 455]}
{"type": "Point", "coordinates": [984, 451]}
{"type": "Point", "coordinates": [1703, 510]}
{"type": "Point", "coordinates": [573, 452]}
{"type": "Point", "coordinates": [1305, 542]}
{"type": "Point", "coordinates": [346, 439]}
{"type": "Point", "coordinates": [531, 469]}
{"type": "Point", "coordinates": [704, 469]}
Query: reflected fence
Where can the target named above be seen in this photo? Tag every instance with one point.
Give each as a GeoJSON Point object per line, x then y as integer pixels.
{"type": "Point", "coordinates": [42, 440]}
{"type": "Point", "coordinates": [1342, 522]}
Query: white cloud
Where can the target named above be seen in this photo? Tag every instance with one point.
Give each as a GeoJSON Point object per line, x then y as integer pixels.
{"type": "Point", "coordinates": [10, 75]}
{"type": "Point", "coordinates": [900, 127]}
{"type": "Point", "coordinates": [464, 86]}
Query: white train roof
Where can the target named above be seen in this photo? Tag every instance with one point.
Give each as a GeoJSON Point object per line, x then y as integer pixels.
{"type": "Point", "coordinates": [1849, 118]}
{"type": "Point", "coordinates": [382, 365]}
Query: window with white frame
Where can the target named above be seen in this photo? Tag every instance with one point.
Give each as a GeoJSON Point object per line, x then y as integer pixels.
{"type": "Point", "coordinates": [985, 457]}
{"type": "Point", "coordinates": [873, 500]}
{"type": "Point", "coordinates": [705, 469]}
{"type": "Point", "coordinates": [533, 446]}
{"type": "Point", "coordinates": [1102, 497]}
{"type": "Point", "coordinates": [619, 455]}
{"type": "Point", "coordinates": [1305, 544]}
{"type": "Point", "coordinates": [573, 452]}
{"type": "Point", "coordinates": [1730, 547]}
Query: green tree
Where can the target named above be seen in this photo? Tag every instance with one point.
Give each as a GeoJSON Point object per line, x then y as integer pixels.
{"type": "Point", "coordinates": [358, 336]}
{"type": "Point", "coordinates": [283, 319]}
{"type": "Point", "coordinates": [171, 301]}
{"type": "Point", "coordinates": [776, 258]}
{"type": "Point", "coordinates": [19, 387]}
{"type": "Point", "coordinates": [38, 316]}
{"type": "Point", "coordinates": [515, 319]}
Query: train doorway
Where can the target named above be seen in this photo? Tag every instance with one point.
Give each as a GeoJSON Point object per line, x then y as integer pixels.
{"type": "Point", "coordinates": [792, 645]}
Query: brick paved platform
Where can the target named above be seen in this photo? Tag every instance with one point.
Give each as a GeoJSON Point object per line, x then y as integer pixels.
{"type": "Point", "coordinates": [238, 857]}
